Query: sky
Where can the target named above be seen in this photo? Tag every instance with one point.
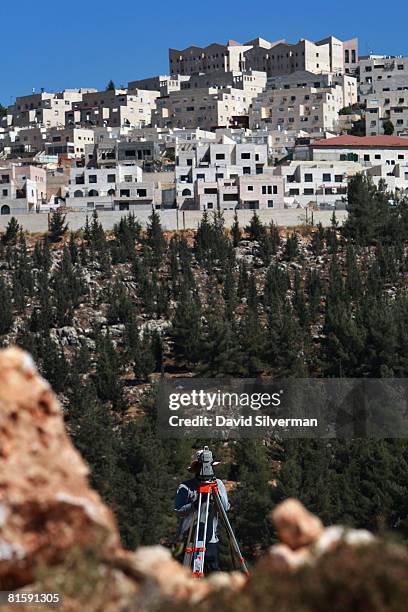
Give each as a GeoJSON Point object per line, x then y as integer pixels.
{"type": "Point", "coordinates": [85, 43]}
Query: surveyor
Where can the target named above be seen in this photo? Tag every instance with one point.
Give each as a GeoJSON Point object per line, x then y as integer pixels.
{"type": "Point", "coordinates": [185, 506]}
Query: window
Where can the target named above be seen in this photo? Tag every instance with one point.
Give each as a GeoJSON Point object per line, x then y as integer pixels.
{"type": "Point", "coordinates": [92, 178]}
{"type": "Point", "coordinates": [293, 192]}
{"type": "Point", "coordinates": [5, 192]}
{"type": "Point", "coordinates": [308, 191]}
{"type": "Point", "coordinates": [245, 156]}
{"type": "Point", "coordinates": [211, 190]}
{"type": "Point", "coordinates": [326, 177]}
{"type": "Point", "coordinates": [128, 178]}
{"type": "Point", "coordinates": [366, 157]}
{"type": "Point", "coordinates": [246, 170]}
{"type": "Point", "coordinates": [377, 156]}
{"type": "Point", "coordinates": [111, 178]}
{"type": "Point", "coordinates": [308, 178]}
{"type": "Point", "coordinates": [270, 203]}
{"type": "Point", "coordinates": [141, 193]}
{"type": "Point", "coordinates": [338, 178]}
{"type": "Point", "coordinates": [229, 197]}
{"type": "Point", "coordinates": [400, 156]}
{"type": "Point", "coordinates": [200, 177]}
{"type": "Point", "coordinates": [250, 188]}
{"type": "Point", "coordinates": [264, 189]}
{"type": "Point", "coordinates": [189, 162]}
{"type": "Point", "coordinates": [220, 156]}
{"type": "Point", "coordinates": [124, 193]}
{"type": "Point", "coordinates": [218, 176]}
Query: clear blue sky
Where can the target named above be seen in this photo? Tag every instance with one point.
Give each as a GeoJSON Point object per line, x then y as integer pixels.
{"type": "Point", "coordinates": [85, 43]}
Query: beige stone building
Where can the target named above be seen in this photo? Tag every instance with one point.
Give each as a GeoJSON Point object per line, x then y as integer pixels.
{"type": "Point", "coordinates": [206, 108]}
{"type": "Point", "coordinates": [45, 109]}
{"type": "Point", "coordinates": [387, 105]}
{"type": "Point", "coordinates": [114, 108]}
{"type": "Point", "coordinates": [303, 101]}
{"type": "Point", "coordinates": [382, 73]}
{"type": "Point", "coordinates": [213, 58]}
{"type": "Point", "coordinates": [282, 58]}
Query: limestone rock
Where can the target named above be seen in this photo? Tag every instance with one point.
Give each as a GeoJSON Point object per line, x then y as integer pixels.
{"type": "Point", "coordinates": [46, 504]}
{"type": "Point", "coordinates": [295, 525]}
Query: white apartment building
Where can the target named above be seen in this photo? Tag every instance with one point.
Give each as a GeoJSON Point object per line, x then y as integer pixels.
{"type": "Point", "coordinates": [213, 58]}
{"type": "Point", "coordinates": [318, 183]}
{"type": "Point", "coordinates": [394, 176]}
{"type": "Point", "coordinates": [251, 81]}
{"type": "Point", "coordinates": [22, 188]}
{"type": "Point", "coordinates": [22, 142]}
{"type": "Point", "coordinates": [387, 105]}
{"type": "Point", "coordinates": [215, 163]}
{"type": "Point", "coordinates": [283, 58]}
{"type": "Point", "coordinates": [113, 108]}
{"type": "Point", "coordinates": [118, 188]}
{"type": "Point", "coordinates": [367, 151]}
{"type": "Point", "coordinates": [69, 142]}
{"type": "Point", "coordinates": [382, 73]}
{"type": "Point", "coordinates": [308, 109]}
{"type": "Point", "coordinates": [45, 109]}
{"type": "Point", "coordinates": [163, 84]}
{"type": "Point", "coordinates": [207, 108]}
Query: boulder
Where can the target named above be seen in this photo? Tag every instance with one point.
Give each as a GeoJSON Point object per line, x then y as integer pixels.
{"type": "Point", "coordinates": [46, 504]}
{"type": "Point", "coordinates": [295, 525]}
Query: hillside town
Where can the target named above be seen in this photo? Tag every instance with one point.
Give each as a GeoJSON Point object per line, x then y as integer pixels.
{"type": "Point", "coordinates": [256, 126]}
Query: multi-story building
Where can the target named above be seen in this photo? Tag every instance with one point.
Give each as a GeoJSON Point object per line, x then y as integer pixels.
{"type": "Point", "coordinates": [367, 151]}
{"type": "Point", "coordinates": [213, 58]}
{"type": "Point", "coordinates": [206, 108]}
{"type": "Point", "coordinates": [303, 101]}
{"type": "Point", "coordinates": [382, 73]}
{"type": "Point", "coordinates": [45, 109]}
{"type": "Point", "coordinates": [274, 58]}
{"type": "Point", "coordinates": [118, 188]}
{"type": "Point", "coordinates": [251, 81]}
{"type": "Point", "coordinates": [387, 106]}
{"type": "Point", "coordinates": [215, 163]}
{"type": "Point", "coordinates": [22, 188]}
{"type": "Point", "coordinates": [113, 108]}
{"type": "Point", "coordinates": [163, 84]}
{"type": "Point", "coordinates": [320, 183]}
{"type": "Point", "coordinates": [69, 142]}
{"type": "Point", "coordinates": [283, 58]}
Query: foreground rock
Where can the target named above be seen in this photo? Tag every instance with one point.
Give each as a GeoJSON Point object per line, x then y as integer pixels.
{"type": "Point", "coordinates": [46, 504]}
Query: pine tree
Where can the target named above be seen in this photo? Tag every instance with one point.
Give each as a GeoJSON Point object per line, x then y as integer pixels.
{"type": "Point", "coordinates": [107, 375]}
{"type": "Point", "coordinates": [6, 310]}
{"type": "Point", "coordinates": [57, 226]}
{"type": "Point", "coordinates": [235, 231]}
{"type": "Point", "coordinates": [13, 229]}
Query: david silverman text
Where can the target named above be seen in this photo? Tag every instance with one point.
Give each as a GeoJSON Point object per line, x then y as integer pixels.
{"type": "Point", "coordinates": [248, 421]}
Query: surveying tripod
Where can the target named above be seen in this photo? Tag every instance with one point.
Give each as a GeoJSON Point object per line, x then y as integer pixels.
{"type": "Point", "coordinates": [194, 553]}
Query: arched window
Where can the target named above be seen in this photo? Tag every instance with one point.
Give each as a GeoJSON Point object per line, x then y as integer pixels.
{"type": "Point", "coordinates": [5, 210]}
{"type": "Point", "coordinates": [78, 194]}
{"type": "Point", "coordinates": [186, 192]}
{"type": "Point", "coordinates": [93, 193]}
{"type": "Point", "coordinates": [111, 192]}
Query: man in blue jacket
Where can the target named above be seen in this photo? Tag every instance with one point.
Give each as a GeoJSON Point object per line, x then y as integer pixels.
{"type": "Point", "coordinates": [185, 505]}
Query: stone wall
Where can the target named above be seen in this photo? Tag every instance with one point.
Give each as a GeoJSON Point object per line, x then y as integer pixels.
{"type": "Point", "coordinates": [175, 219]}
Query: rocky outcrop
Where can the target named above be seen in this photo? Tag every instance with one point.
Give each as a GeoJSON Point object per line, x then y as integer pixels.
{"type": "Point", "coordinates": [304, 539]}
{"type": "Point", "coordinates": [46, 504]}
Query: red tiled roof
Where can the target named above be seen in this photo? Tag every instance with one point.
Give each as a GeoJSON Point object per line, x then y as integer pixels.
{"type": "Point", "coordinates": [362, 141]}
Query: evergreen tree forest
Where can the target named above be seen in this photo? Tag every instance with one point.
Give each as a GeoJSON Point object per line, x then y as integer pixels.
{"type": "Point", "coordinates": [106, 315]}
